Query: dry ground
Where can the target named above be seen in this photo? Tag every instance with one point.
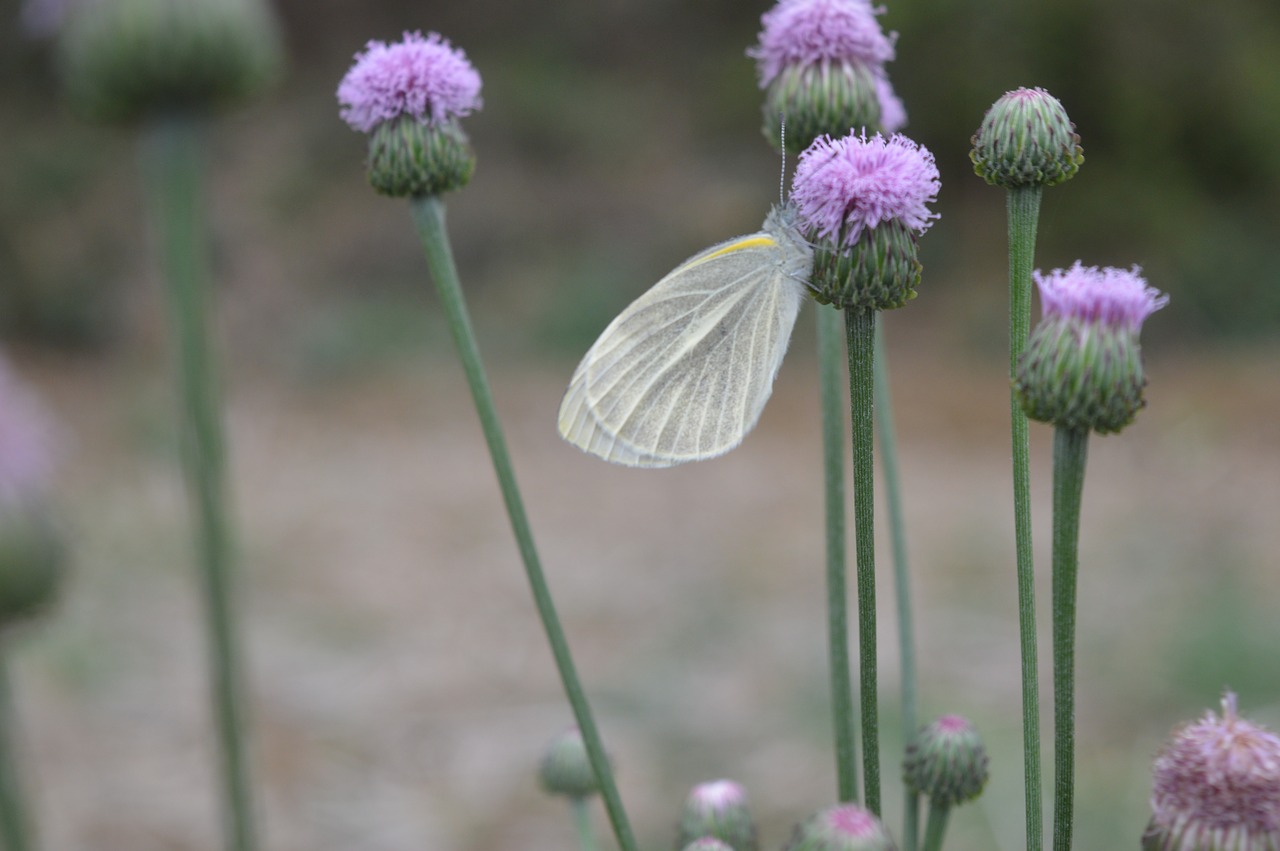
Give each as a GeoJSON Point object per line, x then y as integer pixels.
{"type": "Point", "coordinates": [402, 690]}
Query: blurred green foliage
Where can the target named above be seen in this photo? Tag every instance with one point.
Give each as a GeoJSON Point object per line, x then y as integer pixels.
{"type": "Point", "coordinates": [599, 114]}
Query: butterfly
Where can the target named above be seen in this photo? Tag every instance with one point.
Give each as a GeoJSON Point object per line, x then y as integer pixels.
{"type": "Point", "coordinates": [684, 371]}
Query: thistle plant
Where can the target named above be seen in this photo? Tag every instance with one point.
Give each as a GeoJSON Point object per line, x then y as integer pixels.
{"type": "Point", "coordinates": [166, 65]}
{"type": "Point", "coordinates": [863, 202]}
{"type": "Point", "coordinates": [1025, 143]}
{"type": "Point", "coordinates": [32, 570]}
{"type": "Point", "coordinates": [845, 827]}
{"type": "Point", "coordinates": [1216, 787]}
{"type": "Point", "coordinates": [566, 772]}
{"type": "Point", "coordinates": [1082, 372]}
{"type": "Point", "coordinates": [718, 809]}
{"type": "Point", "coordinates": [822, 66]}
{"type": "Point", "coordinates": [409, 96]}
{"type": "Point", "coordinates": [946, 763]}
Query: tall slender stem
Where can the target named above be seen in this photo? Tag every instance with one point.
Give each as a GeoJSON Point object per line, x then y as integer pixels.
{"type": "Point", "coordinates": [175, 165]}
{"type": "Point", "coordinates": [860, 327]}
{"type": "Point", "coordinates": [1024, 212]}
{"type": "Point", "coordinates": [936, 827]}
{"type": "Point", "coordinates": [428, 214]}
{"type": "Point", "coordinates": [581, 811]}
{"type": "Point", "coordinates": [1070, 451]}
{"type": "Point", "coordinates": [832, 395]}
{"type": "Point", "coordinates": [901, 576]}
{"type": "Point", "coordinates": [14, 826]}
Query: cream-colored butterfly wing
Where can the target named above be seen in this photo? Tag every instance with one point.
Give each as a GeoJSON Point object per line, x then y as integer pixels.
{"type": "Point", "coordinates": [683, 373]}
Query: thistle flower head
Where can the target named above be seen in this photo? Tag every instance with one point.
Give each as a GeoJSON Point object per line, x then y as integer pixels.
{"type": "Point", "coordinates": [863, 201]}
{"type": "Point", "coordinates": [1216, 787]}
{"type": "Point", "coordinates": [1117, 297]}
{"type": "Point", "coordinates": [409, 97]}
{"type": "Point", "coordinates": [947, 762]}
{"type": "Point", "coordinates": [821, 64]}
{"type": "Point", "coordinates": [809, 32]}
{"type": "Point", "coordinates": [124, 60]}
{"type": "Point", "coordinates": [423, 77]}
{"type": "Point", "coordinates": [843, 186]}
{"type": "Point", "coordinates": [706, 843]}
{"type": "Point", "coordinates": [1082, 367]}
{"type": "Point", "coordinates": [1026, 139]}
{"type": "Point", "coordinates": [566, 768]}
{"type": "Point", "coordinates": [718, 809]}
{"type": "Point", "coordinates": [846, 827]}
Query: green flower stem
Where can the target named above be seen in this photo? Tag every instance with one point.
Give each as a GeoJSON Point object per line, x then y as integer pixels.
{"type": "Point", "coordinates": [174, 161]}
{"type": "Point", "coordinates": [935, 828]}
{"type": "Point", "coordinates": [901, 577]}
{"type": "Point", "coordinates": [860, 327]}
{"type": "Point", "coordinates": [1024, 211]}
{"type": "Point", "coordinates": [14, 827]}
{"type": "Point", "coordinates": [428, 215]}
{"type": "Point", "coordinates": [1070, 451]}
{"type": "Point", "coordinates": [831, 390]}
{"type": "Point", "coordinates": [581, 809]}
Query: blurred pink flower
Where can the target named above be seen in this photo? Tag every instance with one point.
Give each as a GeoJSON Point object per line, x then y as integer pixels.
{"type": "Point", "coordinates": [28, 440]}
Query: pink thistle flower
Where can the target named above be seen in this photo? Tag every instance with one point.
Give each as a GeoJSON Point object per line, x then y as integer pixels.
{"type": "Point", "coordinates": [28, 441]}
{"type": "Point", "coordinates": [806, 32]}
{"type": "Point", "coordinates": [420, 76]}
{"type": "Point", "coordinates": [846, 827]}
{"type": "Point", "coordinates": [1116, 297]}
{"type": "Point", "coordinates": [1217, 786]}
{"type": "Point", "coordinates": [893, 114]}
{"type": "Point", "coordinates": [843, 186]}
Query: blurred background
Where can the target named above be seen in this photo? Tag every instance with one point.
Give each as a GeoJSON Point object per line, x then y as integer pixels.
{"type": "Point", "coordinates": [402, 689]}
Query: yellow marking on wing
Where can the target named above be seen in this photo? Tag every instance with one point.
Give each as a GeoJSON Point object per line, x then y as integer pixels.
{"type": "Point", "coordinates": [756, 241]}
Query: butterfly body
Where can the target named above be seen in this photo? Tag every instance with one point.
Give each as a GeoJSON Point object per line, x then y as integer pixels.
{"type": "Point", "coordinates": [683, 373]}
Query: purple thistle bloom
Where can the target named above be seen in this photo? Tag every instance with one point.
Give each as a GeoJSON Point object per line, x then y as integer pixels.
{"type": "Point", "coordinates": [1113, 296]}
{"type": "Point", "coordinates": [893, 115]}
{"type": "Point", "coordinates": [805, 32]}
{"type": "Point", "coordinates": [28, 441]}
{"type": "Point", "coordinates": [843, 186]}
{"type": "Point", "coordinates": [1217, 786]}
{"type": "Point", "coordinates": [424, 77]}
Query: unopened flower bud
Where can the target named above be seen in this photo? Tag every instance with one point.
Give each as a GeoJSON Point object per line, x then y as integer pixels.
{"type": "Point", "coordinates": [566, 768]}
{"type": "Point", "coordinates": [718, 809]}
{"type": "Point", "coordinates": [947, 762]}
{"type": "Point", "coordinates": [127, 59]}
{"type": "Point", "coordinates": [1026, 139]}
{"type": "Point", "coordinates": [706, 843]}
{"type": "Point", "coordinates": [1216, 787]}
{"type": "Point", "coordinates": [862, 202]}
{"type": "Point", "coordinates": [846, 827]}
{"type": "Point", "coordinates": [1082, 368]}
{"type": "Point", "coordinates": [410, 96]}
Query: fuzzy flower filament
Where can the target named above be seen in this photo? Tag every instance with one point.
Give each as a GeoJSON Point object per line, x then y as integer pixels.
{"type": "Point", "coordinates": [409, 96]}
{"type": "Point", "coordinates": [863, 201]}
{"type": "Point", "coordinates": [821, 65]}
{"type": "Point", "coordinates": [1082, 368]}
{"type": "Point", "coordinates": [1216, 787]}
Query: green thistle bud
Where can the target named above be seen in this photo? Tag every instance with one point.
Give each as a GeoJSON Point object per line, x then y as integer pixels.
{"type": "Point", "coordinates": [409, 158]}
{"type": "Point", "coordinates": [1026, 139]}
{"type": "Point", "coordinates": [126, 59]}
{"type": "Point", "coordinates": [566, 769]}
{"type": "Point", "coordinates": [32, 565]}
{"type": "Point", "coordinates": [947, 762]}
{"type": "Point", "coordinates": [1082, 368]}
{"type": "Point", "coordinates": [877, 271]}
{"type": "Point", "coordinates": [820, 98]}
{"type": "Point", "coordinates": [847, 827]}
{"type": "Point", "coordinates": [718, 810]}
{"type": "Point", "coordinates": [706, 843]}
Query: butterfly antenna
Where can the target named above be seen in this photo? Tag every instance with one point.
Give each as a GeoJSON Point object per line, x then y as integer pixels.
{"type": "Point", "coordinates": [782, 178]}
